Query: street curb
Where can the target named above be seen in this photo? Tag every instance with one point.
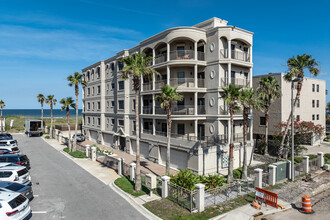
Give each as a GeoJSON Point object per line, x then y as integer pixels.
{"type": "Point", "coordinates": [131, 199]}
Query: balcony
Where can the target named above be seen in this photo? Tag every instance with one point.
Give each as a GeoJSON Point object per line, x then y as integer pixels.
{"type": "Point", "coordinates": [240, 82]}
{"type": "Point", "coordinates": [159, 84]}
{"type": "Point", "coordinates": [147, 86]}
{"type": "Point", "coordinates": [147, 109]}
{"type": "Point", "coordinates": [177, 110]}
{"type": "Point", "coordinates": [237, 55]}
{"type": "Point", "coordinates": [182, 55]}
{"type": "Point", "coordinates": [182, 82]}
{"type": "Point", "coordinates": [161, 58]}
{"type": "Point", "coordinates": [225, 111]}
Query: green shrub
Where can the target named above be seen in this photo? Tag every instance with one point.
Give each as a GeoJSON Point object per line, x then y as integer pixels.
{"type": "Point", "coordinates": [186, 179]}
{"type": "Point", "coordinates": [213, 181]}
{"type": "Point", "coordinates": [237, 173]}
{"type": "Point", "coordinates": [128, 186]}
{"type": "Point", "coordinates": [312, 156]}
{"type": "Point", "coordinates": [47, 137]}
{"type": "Point", "coordinates": [76, 154]}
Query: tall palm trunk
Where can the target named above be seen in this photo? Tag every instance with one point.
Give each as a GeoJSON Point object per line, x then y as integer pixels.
{"type": "Point", "coordinates": [289, 119]}
{"type": "Point", "coordinates": [266, 131]}
{"type": "Point", "coordinates": [137, 175]}
{"type": "Point", "coordinates": [168, 153]}
{"type": "Point", "coordinates": [42, 116]}
{"type": "Point", "coordinates": [245, 127]}
{"type": "Point", "coordinates": [231, 149]}
{"type": "Point", "coordinates": [51, 120]}
{"type": "Point", "coordinates": [76, 127]}
{"type": "Point", "coordinates": [1, 121]}
{"type": "Point", "coordinates": [68, 118]}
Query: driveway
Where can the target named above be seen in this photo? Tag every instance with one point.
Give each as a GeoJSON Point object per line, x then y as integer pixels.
{"type": "Point", "coordinates": [63, 190]}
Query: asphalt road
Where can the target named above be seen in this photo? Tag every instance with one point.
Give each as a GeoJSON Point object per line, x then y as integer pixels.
{"type": "Point", "coordinates": [66, 191]}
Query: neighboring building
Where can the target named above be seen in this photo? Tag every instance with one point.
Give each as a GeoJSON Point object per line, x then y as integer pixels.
{"type": "Point", "coordinates": [310, 107]}
{"type": "Point", "coordinates": [200, 61]}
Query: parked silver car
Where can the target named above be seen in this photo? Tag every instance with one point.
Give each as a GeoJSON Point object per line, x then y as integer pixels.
{"type": "Point", "coordinates": [80, 137]}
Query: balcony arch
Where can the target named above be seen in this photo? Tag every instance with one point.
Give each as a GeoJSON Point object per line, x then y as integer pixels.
{"type": "Point", "coordinates": [182, 48]}
{"type": "Point", "coordinates": [201, 49]}
{"type": "Point", "coordinates": [160, 52]}
{"type": "Point", "coordinates": [240, 49]}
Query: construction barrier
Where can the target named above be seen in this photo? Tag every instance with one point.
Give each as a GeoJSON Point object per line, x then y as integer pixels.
{"type": "Point", "coordinates": [270, 198]}
{"type": "Point", "coordinates": [306, 204]}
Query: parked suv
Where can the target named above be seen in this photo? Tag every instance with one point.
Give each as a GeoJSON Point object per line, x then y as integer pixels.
{"type": "Point", "coordinates": [13, 206]}
{"type": "Point", "coordinates": [14, 173]}
{"type": "Point", "coordinates": [9, 142]}
{"type": "Point", "coordinates": [5, 136]}
{"type": "Point", "coordinates": [19, 159]}
{"type": "Point", "coordinates": [17, 187]}
{"type": "Point", "coordinates": [80, 137]}
{"type": "Point", "coordinates": [13, 150]}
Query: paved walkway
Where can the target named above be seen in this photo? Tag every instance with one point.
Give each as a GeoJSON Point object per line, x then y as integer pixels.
{"type": "Point", "coordinates": [146, 165]}
{"type": "Point", "coordinates": [324, 147]}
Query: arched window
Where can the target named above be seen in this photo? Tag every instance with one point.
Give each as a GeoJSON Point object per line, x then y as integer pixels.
{"type": "Point", "coordinates": [87, 76]}
{"type": "Point", "coordinates": [98, 72]}
{"type": "Point", "coordinates": [112, 66]}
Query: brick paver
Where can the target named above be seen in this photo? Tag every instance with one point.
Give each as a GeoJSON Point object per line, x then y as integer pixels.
{"type": "Point", "coordinates": [146, 165]}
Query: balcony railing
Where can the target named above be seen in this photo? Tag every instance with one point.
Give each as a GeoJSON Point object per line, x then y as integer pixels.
{"type": "Point", "coordinates": [201, 110]}
{"type": "Point", "coordinates": [237, 55]}
{"type": "Point", "coordinates": [225, 111]}
{"type": "Point", "coordinates": [200, 55]}
{"type": "Point", "coordinates": [240, 82]}
{"type": "Point", "coordinates": [147, 86]}
{"type": "Point", "coordinates": [182, 54]}
{"type": "Point", "coordinates": [147, 109]}
{"type": "Point", "coordinates": [177, 110]}
{"type": "Point", "coordinates": [182, 82]}
{"type": "Point", "coordinates": [160, 58]}
{"type": "Point", "coordinates": [159, 84]}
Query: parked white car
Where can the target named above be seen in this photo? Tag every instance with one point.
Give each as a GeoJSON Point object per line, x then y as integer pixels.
{"type": "Point", "coordinates": [80, 137]}
{"type": "Point", "coordinates": [13, 205]}
{"type": "Point", "coordinates": [14, 173]}
{"type": "Point", "coordinates": [10, 143]}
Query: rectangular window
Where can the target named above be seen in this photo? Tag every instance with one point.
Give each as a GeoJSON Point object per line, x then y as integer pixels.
{"type": "Point", "coordinates": [120, 65]}
{"type": "Point", "coordinates": [180, 77]}
{"type": "Point", "coordinates": [317, 117]}
{"type": "Point", "coordinates": [121, 85]}
{"type": "Point", "coordinates": [313, 103]}
{"type": "Point", "coordinates": [107, 87]}
{"type": "Point", "coordinates": [181, 129]}
{"type": "Point", "coordinates": [233, 74]}
{"type": "Point", "coordinates": [93, 106]}
{"type": "Point", "coordinates": [93, 91]}
{"type": "Point", "coordinates": [108, 104]}
{"type": "Point", "coordinates": [134, 125]}
{"type": "Point", "coordinates": [98, 105]}
{"type": "Point", "coordinates": [317, 103]}
{"type": "Point", "coordinates": [317, 88]}
{"type": "Point", "coordinates": [133, 107]}
{"type": "Point", "coordinates": [112, 121]}
{"type": "Point", "coordinates": [98, 89]}
{"type": "Point", "coordinates": [313, 117]}
{"type": "Point", "coordinates": [89, 106]}
{"type": "Point", "coordinates": [98, 121]}
{"type": "Point", "coordinates": [93, 121]}
{"type": "Point", "coordinates": [121, 122]}
{"type": "Point", "coordinates": [262, 120]}
{"type": "Point", "coordinates": [121, 104]}
{"type": "Point", "coordinates": [89, 120]}
{"type": "Point", "coordinates": [88, 91]}
{"type": "Point", "coordinates": [112, 85]}
{"type": "Point", "coordinates": [232, 47]}
{"type": "Point", "coordinates": [313, 87]}
{"type": "Point", "coordinates": [298, 117]}
{"type": "Point", "coordinates": [112, 103]}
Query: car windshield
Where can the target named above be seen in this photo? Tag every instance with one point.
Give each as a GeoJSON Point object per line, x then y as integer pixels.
{"type": "Point", "coordinates": [19, 200]}
{"type": "Point", "coordinates": [23, 158]}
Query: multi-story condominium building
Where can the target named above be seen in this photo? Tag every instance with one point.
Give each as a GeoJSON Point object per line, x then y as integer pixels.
{"type": "Point", "coordinates": [311, 106]}
{"type": "Point", "coordinates": [200, 61]}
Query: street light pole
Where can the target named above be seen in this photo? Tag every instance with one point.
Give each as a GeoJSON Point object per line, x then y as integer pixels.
{"type": "Point", "coordinates": [292, 127]}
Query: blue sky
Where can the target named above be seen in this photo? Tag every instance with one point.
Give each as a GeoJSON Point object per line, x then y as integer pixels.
{"type": "Point", "coordinates": [42, 42]}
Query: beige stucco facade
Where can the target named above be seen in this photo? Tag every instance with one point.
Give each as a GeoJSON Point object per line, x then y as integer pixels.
{"type": "Point", "coordinates": [313, 91]}
{"type": "Point", "coordinates": [200, 60]}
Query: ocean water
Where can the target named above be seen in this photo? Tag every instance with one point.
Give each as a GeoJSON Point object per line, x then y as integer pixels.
{"type": "Point", "coordinates": [37, 112]}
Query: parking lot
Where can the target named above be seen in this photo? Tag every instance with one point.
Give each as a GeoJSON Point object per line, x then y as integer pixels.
{"type": "Point", "coordinates": [63, 190]}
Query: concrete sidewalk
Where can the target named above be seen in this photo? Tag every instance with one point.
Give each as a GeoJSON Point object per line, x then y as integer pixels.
{"type": "Point", "coordinates": [107, 176]}
{"type": "Point", "coordinates": [247, 211]}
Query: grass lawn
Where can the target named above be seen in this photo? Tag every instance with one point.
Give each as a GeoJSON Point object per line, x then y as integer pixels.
{"type": "Point", "coordinates": [128, 186]}
{"type": "Point", "coordinates": [19, 122]}
{"type": "Point", "coordinates": [169, 210]}
{"type": "Point", "coordinates": [76, 154]}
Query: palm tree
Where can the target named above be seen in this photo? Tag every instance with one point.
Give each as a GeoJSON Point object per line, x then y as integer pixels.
{"type": "Point", "coordinates": [168, 96]}
{"type": "Point", "coordinates": [328, 106]}
{"type": "Point", "coordinates": [296, 66]}
{"type": "Point", "coordinates": [2, 105]}
{"type": "Point", "coordinates": [66, 104]}
{"type": "Point", "coordinates": [135, 67]}
{"type": "Point", "coordinates": [268, 91]}
{"type": "Point", "coordinates": [41, 98]}
{"type": "Point", "coordinates": [76, 79]}
{"type": "Point", "coordinates": [248, 100]}
{"type": "Point", "coordinates": [231, 97]}
{"type": "Point", "coordinates": [51, 102]}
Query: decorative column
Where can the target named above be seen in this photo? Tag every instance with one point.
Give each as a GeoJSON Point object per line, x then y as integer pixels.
{"type": "Point", "coordinates": [258, 179]}
{"type": "Point", "coordinates": [196, 130]}
{"type": "Point", "coordinates": [93, 153]}
{"type": "Point", "coordinates": [165, 181]}
{"type": "Point", "coordinates": [229, 49]}
{"type": "Point", "coordinates": [251, 54]}
{"type": "Point", "coordinates": [195, 76]}
{"type": "Point", "coordinates": [154, 126]}
{"type": "Point", "coordinates": [306, 164]}
{"type": "Point", "coordinates": [229, 74]}
{"type": "Point", "coordinates": [320, 159]}
{"type": "Point", "coordinates": [168, 73]}
{"type": "Point", "coordinates": [200, 197]}
{"type": "Point", "coordinates": [168, 51]}
{"type": "Point", "coordinates": [250, 77]}
{"type": "Point", "coordinates": [153, 103]}
{"type": "Point", "coordinates": [132, 167]}
{"type": "Point", "coordinates": [195, 103]}
{"type": "Point", "coordinates": [153, 56]}
{"type": "Point", "coordinates": [87, 150]}
{"type": "Point", "coordinates": [120, 166]}
{"type": "Point", "coordinates": [195, 48]}
{"type": "Point", "coordinates": [228, 130]}
{"type": "Point", "coordinates": [272, 175]}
